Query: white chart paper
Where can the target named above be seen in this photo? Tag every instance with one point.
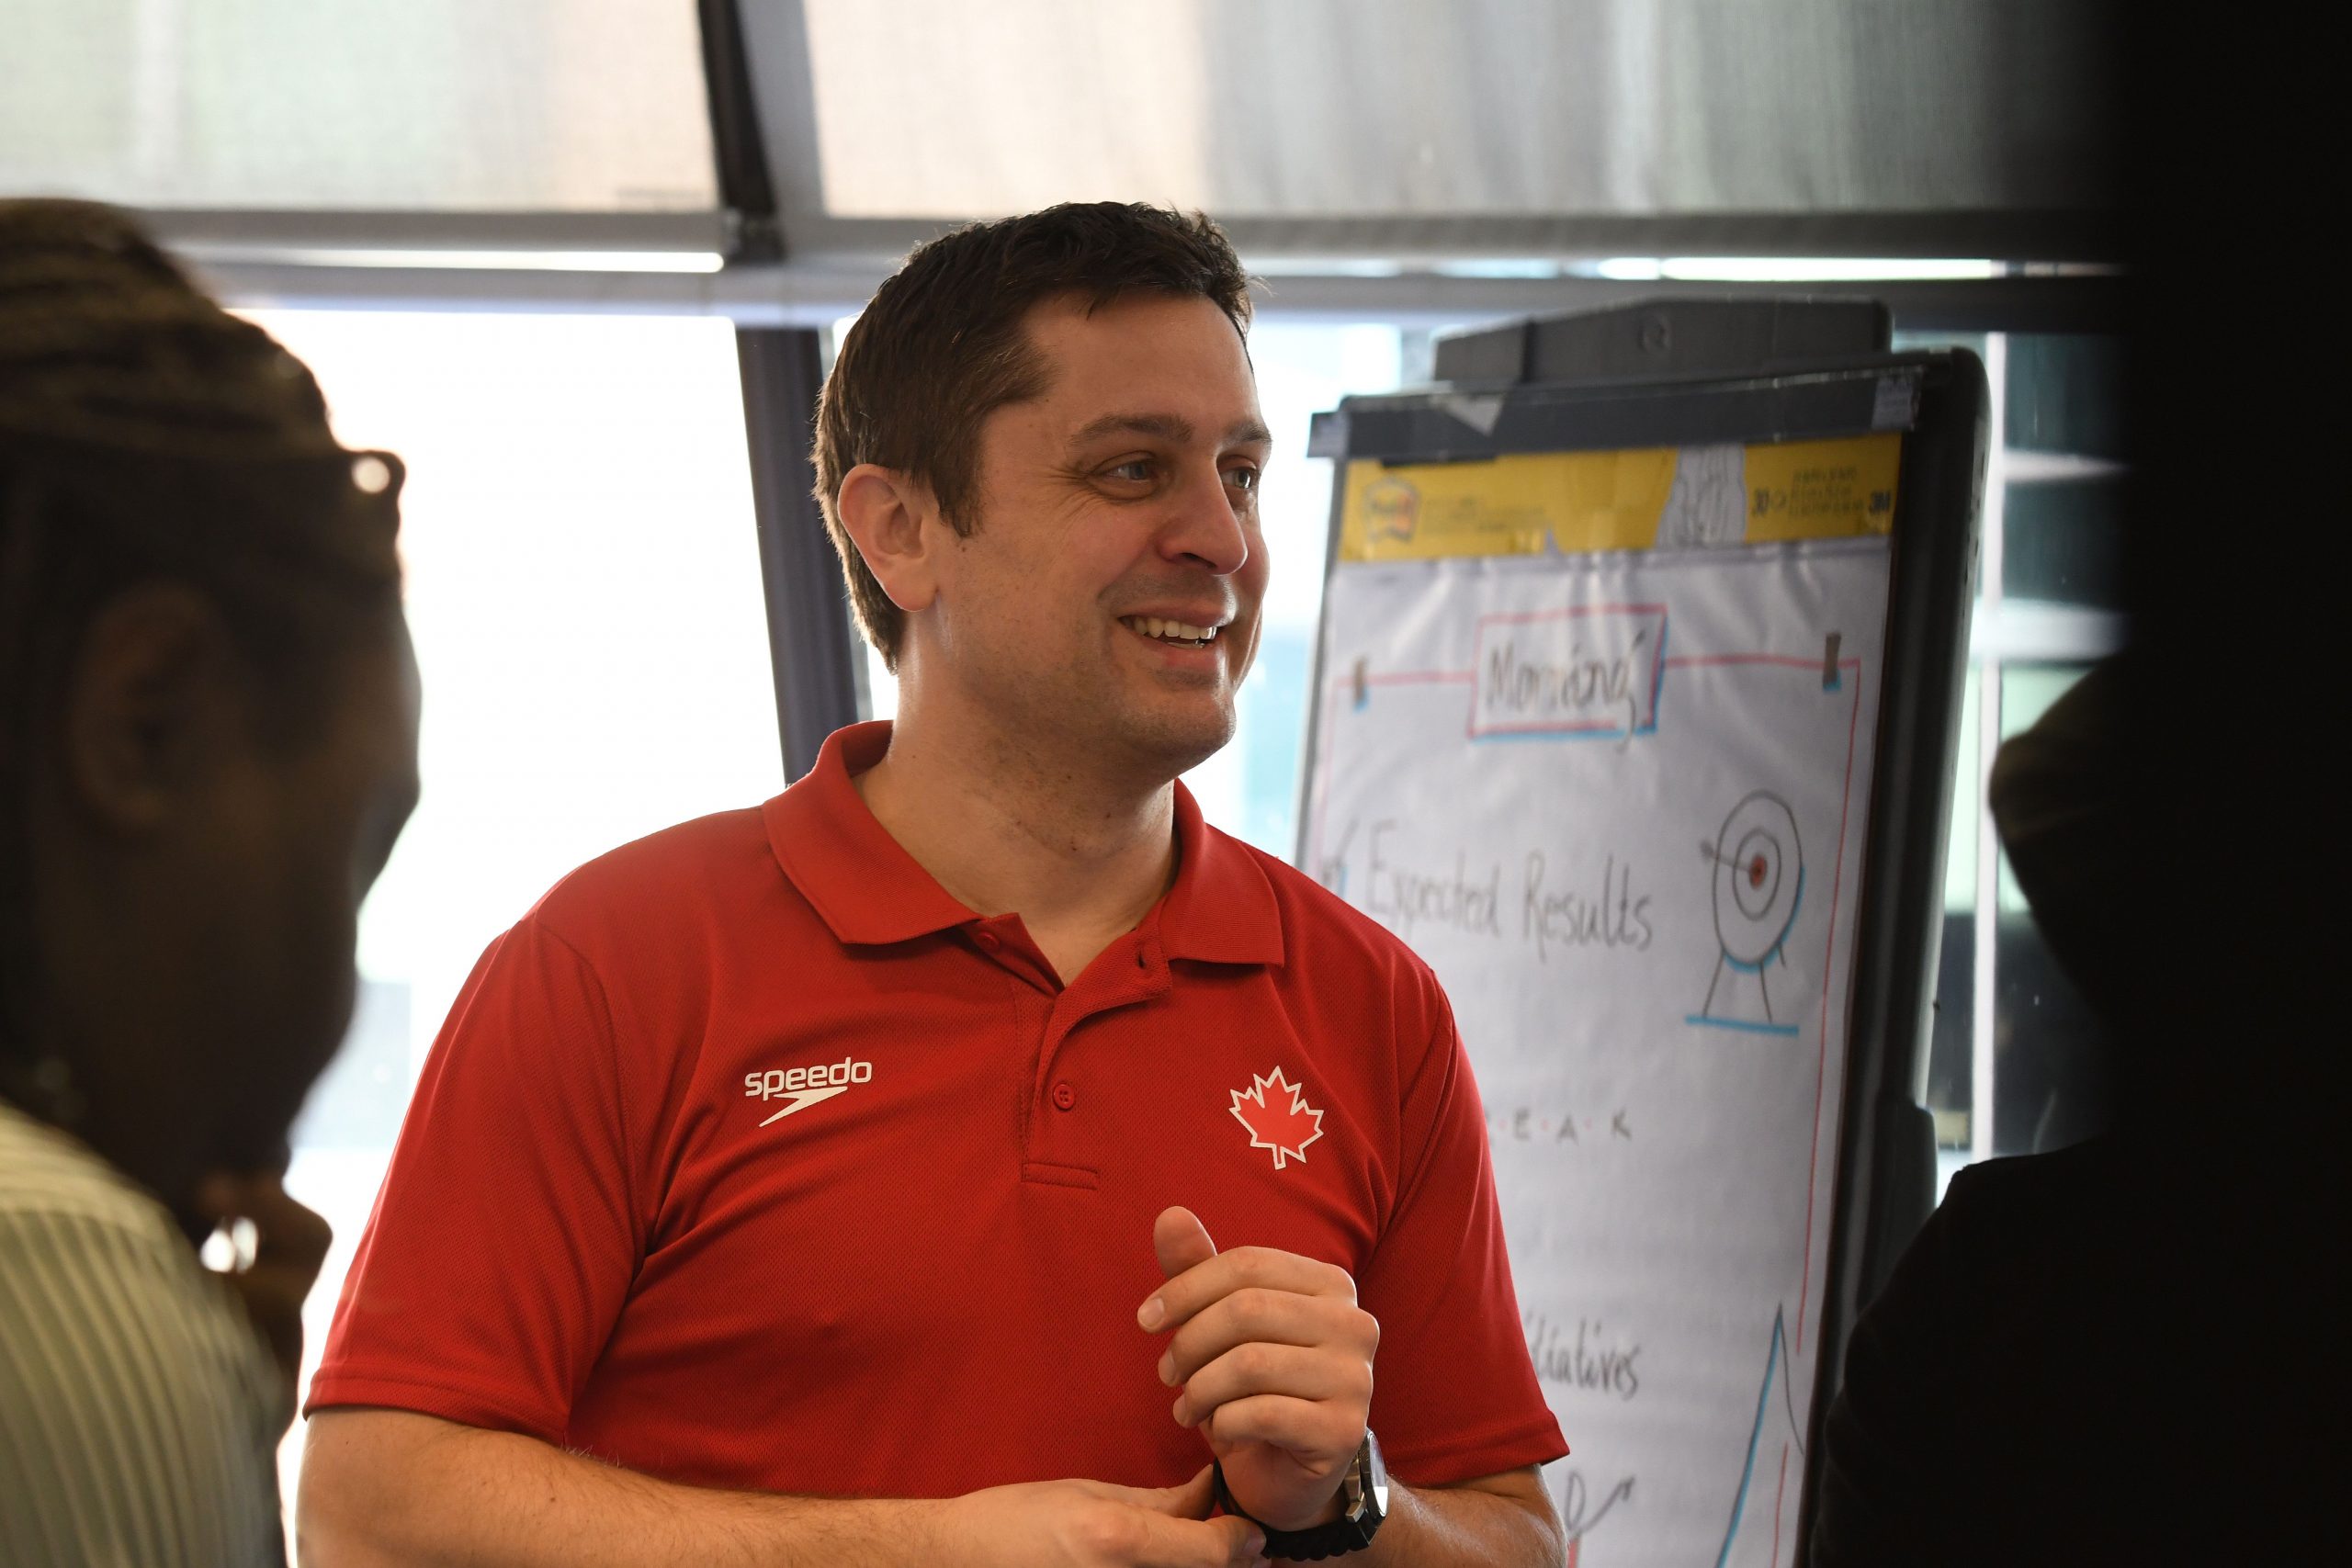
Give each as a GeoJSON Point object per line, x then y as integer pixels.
{"type": "Point", "coordinates": [1618, 802]}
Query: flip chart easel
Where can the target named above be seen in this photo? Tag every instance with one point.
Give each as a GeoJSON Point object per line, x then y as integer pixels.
{"type": "Point", "coordinates": [1634, 713]}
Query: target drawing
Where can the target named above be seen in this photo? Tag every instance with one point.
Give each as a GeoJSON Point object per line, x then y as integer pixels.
{"type": "Point", "coordinates": [1757, 866]}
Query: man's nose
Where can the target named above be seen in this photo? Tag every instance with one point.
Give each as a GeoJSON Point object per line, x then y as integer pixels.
{"type": "Point", "coordinates": [1205, 525]}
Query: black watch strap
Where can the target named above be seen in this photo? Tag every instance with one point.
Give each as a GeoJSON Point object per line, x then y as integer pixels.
{"type": "Point", "coordinates": [1366, 1490]}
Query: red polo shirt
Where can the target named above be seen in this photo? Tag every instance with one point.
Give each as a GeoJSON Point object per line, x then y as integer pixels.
{"type": "Point", "coordinates": [752, 1158]}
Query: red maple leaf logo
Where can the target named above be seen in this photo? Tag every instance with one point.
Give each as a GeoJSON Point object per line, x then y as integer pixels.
{"type": "Point", "coordinates": [1280, 1120]}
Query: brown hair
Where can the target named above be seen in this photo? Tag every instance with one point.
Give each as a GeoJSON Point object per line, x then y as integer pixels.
{"type": "Point", "coordinates": [940, 347]}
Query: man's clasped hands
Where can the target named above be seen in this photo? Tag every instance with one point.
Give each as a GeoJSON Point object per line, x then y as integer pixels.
{"type": "Point", "coordinates": [1272, 1359]}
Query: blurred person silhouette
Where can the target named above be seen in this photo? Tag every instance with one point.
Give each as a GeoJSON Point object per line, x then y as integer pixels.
{"type": "Point", "coordinates": [207, 734]}
{"type": "Point", "coordinates": [1975, 1388]}
{"type": "Point", "coordinates": [2130, 1350]}
{"type": "Point", "coordinates": [2119, 1351]}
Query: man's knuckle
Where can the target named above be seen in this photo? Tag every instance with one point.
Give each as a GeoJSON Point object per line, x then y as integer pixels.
{"type": "Point", "coordinates": [1254, 1309]}
{"type": "Point", "coordinates": [1109, 1534]}
{"type": "Point", "coordinates": [1263, 1267]}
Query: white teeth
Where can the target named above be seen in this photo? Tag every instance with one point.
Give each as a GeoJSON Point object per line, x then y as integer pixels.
{"type": "Point", "coordinates": [1156, 626]}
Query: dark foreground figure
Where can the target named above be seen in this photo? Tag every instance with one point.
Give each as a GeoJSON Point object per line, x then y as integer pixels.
{"type": "Point", "coordinates": [208, 743]}
{"type": "Point", "coordinates": [2133, 1350]}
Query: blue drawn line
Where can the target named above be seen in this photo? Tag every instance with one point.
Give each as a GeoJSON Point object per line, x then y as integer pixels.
{"type": "Point", "coordinates": [1774, 1354]}
{"type": "Point", "coordinates": [1702, 1019]}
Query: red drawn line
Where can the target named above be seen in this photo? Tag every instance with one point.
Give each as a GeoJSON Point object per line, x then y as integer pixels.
{"type": "Point", "coordinates": [1785, 660]}
{"type": "Point", "coordinates": [1519, 617]}
{"type": "Point", "coordinates": [1776, 1505]}
{"type": "Point", "coordinates": [1821, 1062]}
{"type": "Point", "coordinates": [1416, 678]}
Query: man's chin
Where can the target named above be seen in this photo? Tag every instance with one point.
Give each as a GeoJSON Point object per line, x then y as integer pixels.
{"type": "Point", "coordinates": [1174, 748]}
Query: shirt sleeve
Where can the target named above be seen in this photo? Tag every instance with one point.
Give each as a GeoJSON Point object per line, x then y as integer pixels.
{"type": "Point", "coordinates": [1455, 1395]}
{"type": "Point", "coordinates": [508, 1231]}
{"type": "Point", "coordinates": [138, 1412]}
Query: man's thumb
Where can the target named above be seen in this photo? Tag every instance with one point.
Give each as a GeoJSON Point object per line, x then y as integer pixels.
{"type": "Point", "coordinates": [1244, 1542]}
{"type": "Point", "coordinates": [1192, 1500]}
{"type": "Point", "coordinates": [1181, 1241]}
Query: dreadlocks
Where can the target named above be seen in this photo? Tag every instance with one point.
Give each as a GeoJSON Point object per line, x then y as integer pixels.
{"type": "Point", "coordinates": [146, 433]}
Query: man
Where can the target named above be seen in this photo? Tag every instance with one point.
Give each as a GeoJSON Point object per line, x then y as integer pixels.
{"type": "Point", "coordinates": [859, 1147]}
{"type": "Point", "coordinates": [208, 743]}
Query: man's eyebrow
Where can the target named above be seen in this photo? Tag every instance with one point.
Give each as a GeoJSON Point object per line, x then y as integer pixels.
{"type": "Point", "coordinates": [1166, 427]}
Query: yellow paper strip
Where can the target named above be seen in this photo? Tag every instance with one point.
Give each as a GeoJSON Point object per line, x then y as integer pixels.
{"type": "Point", "coordinates": [1573, 501]}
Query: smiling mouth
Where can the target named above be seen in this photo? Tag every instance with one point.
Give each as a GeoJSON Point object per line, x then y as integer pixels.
{"type": "Point", "coordinates": [1175, 633]}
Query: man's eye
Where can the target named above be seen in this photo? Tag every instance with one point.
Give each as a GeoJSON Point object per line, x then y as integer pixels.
{"type": "Point", "coordinates": [1242, 478]}
{"type": "Point", "coordinates": [1137, 470]}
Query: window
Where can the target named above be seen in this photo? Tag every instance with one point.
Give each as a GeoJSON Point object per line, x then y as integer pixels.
{"type": "Point", "coordinates": [2015, 1064]}
{"type": "Point", "coordinates": [585, 592]}
{"type": "Point", "coordinates": [529, 106]}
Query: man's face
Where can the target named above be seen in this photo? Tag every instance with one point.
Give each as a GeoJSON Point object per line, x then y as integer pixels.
{"type": "Point", "coordinates": [1105, 608]}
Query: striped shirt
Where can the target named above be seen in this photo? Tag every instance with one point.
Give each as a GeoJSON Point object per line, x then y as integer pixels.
{"type": "Point", "coordinates": [138, 1410]}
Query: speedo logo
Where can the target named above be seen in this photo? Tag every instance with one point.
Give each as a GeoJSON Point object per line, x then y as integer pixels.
{"type": "Point", "coordinates": [804, 1086]}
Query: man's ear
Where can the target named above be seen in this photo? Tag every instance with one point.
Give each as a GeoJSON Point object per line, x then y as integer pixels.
{"type": "Point", "coordinates": [153, 703]}
{"type": "Point", "coordinates": [897, 527]}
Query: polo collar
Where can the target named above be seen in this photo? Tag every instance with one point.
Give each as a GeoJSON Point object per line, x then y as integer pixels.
{"type": "Point", "coordinates": [1222, 910]}
{"type": "Point", "coordinates": [869, 890]}
{"type": "Point", "coordinates": [861, 883]}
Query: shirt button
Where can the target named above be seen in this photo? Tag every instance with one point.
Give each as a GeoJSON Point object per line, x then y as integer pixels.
{"type": "Point", "coordinates": [1064, 1097]}
{"type": "Point", "coordinates": [988, 939]}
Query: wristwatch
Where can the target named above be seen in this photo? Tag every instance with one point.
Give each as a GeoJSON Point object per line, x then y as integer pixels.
{"type": "Point", "coordinates": [1363, 1499]}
